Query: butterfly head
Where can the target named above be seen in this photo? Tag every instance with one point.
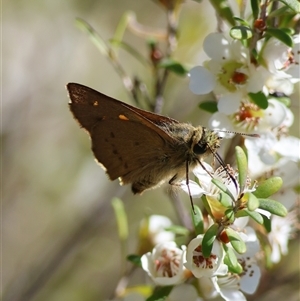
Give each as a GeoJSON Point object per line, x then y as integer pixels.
{"type": "Point", "coordinates": [209, 141]}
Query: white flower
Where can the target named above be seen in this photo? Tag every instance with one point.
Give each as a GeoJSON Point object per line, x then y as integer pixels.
{"type": "Point", "coordinates": [208, 287]}
{"type": "Point", "coordinates": [229, 288]}
{"type": "Point", "coordinates": [227, 176]}
{"type": "Point", "coordinates": [283, 228]}
{"type": "Point", "coordinates": [229, 74]}
{"type": "Point", "coordinates": [206, 186]}
{"type": "Point", "coordinates": [249, 279]}
{"type": "Point", "coordinates": [156, 225]}
{"type": "Point", "coordinates": [269, 149]}
{"type": "Point", "coordinates": [201, 266]}
{"type": "Point", "coordinates": [283, 64]}
{"type": "Point", "coordinates": [165, 264]}
{"type": "Point", "coordinates": [185, 292]}
{"type": "Point", "coordinates": [251, 119]}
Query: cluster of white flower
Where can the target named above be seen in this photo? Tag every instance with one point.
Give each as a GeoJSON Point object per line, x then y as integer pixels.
{"type": "Point", "coordinates": [247, 213]}
{"type": "Point", "coordinates": [232, 76]}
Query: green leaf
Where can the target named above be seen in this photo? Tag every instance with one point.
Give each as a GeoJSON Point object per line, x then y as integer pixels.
{"type": "Point", "coordinates": [242, 166]}
{"type": "Point", "coordinates": [241, 21]}
{"type": "Point", "coordinates": [281, 35]}
{"type": "Point", "coordinates": [278, 12]}
{"type": "Point", "coordinates": [237, 243]}
{"type": "Point", "coordinates": [255, 4]}
{"type": "Point", "coordinates": [267, 223]}
{"type": "Point", "coordinates": [121, 218]}
{"type": "Point", "coordinates": [94, 36]}
{"type": "Point", "coordinates": [208, 240]}
{"type": "Point", "coordinates": [293, 4]}
{"type": "Point", "coordinates": [225, 200]}
{"type": "Point", "coordinates": [178, 230]}
{"type": "Point", "coordinates": [197, 219]}
{"type": "Point", "coordinates": [173, 66]}
{"type": "Point", "coordinates": [223, 10]}
{"type": "Point", "coordinates": [268, 187]}
{"type": "Point", "coordinates": [222, 187]}
{"type": "Point", "coordinates": [260, 99]}
{"type": "Point", "coordinates": [231, 261]}
{"type": "Point", "coordinates": [160, 293]}
{"type": "Point", "coordinates": [209, 106]}
{"type": "Point", "coordinates": [121, 27]}
{"type": "Point", "coordinates": [253, 202]}
{"type": "Point", "coordinates": [131, 51]}
{"type": "Point", "coordinates": [135, 259]}
{"type": "Point", "coordinates": [241, 33]}
{"type": "Point", "coordinates": [230, 215]}
{"type": "Point", "coordinates": [273, 207]}
{"type": "Point", "coordinates": [255, 216]}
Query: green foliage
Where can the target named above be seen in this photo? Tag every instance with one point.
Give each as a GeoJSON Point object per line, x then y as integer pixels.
{"type": "Point", "coordinates": [242, 165]}
{"type": "Point", "coordinates": [255, 8]}
{"type": "Point", "coordinates": [223, 10]}
{"type": "Point", "coordinates": [222, 187]}
{"type": "Point", "coordinates": [237, 243]}
{"type": "Point", "coordinates": [208, 240]}
{"type": "Point", "coordinates": [121, 218]}
{"type": "Point", "coordinates": [225, 199]}
{"type": "Point", "coordinates": [252, 202]}
{"type": "Point", "coordinates": [197, 219]}
{"type": "Point", "coordinates": [241, 32]}
{"type": "Point", "coordinates": [209, 106]}
{"type": "Point", "coordinates": [273, 207]}
{"type": "Point", "coordinates": [293, 4]}
{"type": "Point", "coordinates": [281, 35]}
{"type": "Point", "coordinates": [160, 293]}
{"type": "Point", "coordinates": [268, 187]}
{"type": "Point", "coordinates": [135, 259]}
{"type": "Point", "coordinates": [255, 216]}
{"type": "Point", "coordinates": [173, 66]}
{"type": "Point", "coordinates": [231, 261]}
{"type": "Point", "coordinates": [260, 99]}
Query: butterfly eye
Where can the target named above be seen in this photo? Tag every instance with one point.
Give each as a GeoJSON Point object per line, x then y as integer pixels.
{"type": "Point", "coordinates": [199, 149]}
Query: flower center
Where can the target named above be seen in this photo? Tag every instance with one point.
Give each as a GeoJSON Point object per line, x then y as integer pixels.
{"type": "Point", "coordinates": [200, 261]}
{"type": "Point", "coordinates": [167, 265]}
{"type": "Point", "coordinates": [248, 116]}
{"type": "Point", "coordinates": [231, 76]}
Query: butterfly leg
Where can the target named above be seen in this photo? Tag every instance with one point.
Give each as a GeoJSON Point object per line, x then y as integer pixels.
{"type": "Point", "coordinates": [174, 181]}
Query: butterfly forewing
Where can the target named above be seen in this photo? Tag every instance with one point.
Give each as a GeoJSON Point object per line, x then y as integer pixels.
{"type": "Point", "coordinates": [125, 140]}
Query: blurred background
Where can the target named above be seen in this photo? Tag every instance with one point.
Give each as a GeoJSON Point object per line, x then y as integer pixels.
{"type": "Point", "coordinates": [59, 234]}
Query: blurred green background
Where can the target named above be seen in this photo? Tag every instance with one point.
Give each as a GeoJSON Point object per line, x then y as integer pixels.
{"type": "Point", "coordinates": [59, 235]}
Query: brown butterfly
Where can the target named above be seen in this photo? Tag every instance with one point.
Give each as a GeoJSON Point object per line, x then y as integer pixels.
{"type": "Point", "coordinates": [137, 146]}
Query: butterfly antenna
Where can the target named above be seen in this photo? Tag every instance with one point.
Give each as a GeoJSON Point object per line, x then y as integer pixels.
{"type": "Point", "coordinates": [237, 133]}
{"type": "Point", "coordinates": [188, 186]}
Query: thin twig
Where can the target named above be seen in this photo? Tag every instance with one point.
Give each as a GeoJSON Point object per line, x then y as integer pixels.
{"type": "Point", "coordinates": [171, 46]}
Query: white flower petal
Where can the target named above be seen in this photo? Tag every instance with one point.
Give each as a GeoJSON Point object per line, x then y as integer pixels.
{"type": "Point", "coordinates": [195, 189]}
{"type": "Point", "coordinates": [232, 295]}
{"type": "Point", "coordinates": [249, 282]}
{"type": "Point", "coordinates": [202, 81]}
{"type": "Point", "coordinates": [183, 292]}
{"type": "Point", "coordinates": [165, 264]}
{"type": "Point", "coordinates": [288, 147]}
{"type": "Point", "coordinates": [274, 115]}
{"type": "Point", "coordinates": [257, 79]}
{"type": "Point", "coordinates": [229, 103]}
{"type": "Point", "coordinates": [220, 121]}
{"type": "Point", "coordinates": [205, 267]}
{"type": "Point", "coordinates": [216, 47]}
{"type": "Point", "coordinates": [157, 225]}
